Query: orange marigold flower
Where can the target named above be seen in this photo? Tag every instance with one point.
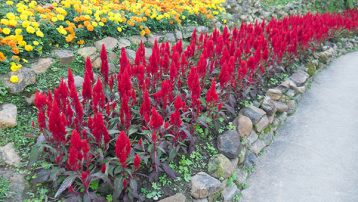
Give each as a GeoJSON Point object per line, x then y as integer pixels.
{"type": "Point", "coordinates": [2, 57]}
{"type": "Point", "coordinates": [81, 42]}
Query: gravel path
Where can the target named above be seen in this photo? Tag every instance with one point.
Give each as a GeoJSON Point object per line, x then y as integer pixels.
{"type": "Point", "coordinates": [314, 158]}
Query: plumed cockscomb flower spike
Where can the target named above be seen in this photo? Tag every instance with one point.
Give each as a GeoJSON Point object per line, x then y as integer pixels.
{"type": "Point", "coordinates": [72, 160]}
{"type": "Point", "coordinates": [156, 120]}
{"type": "Point", "coordinates": [40, 100]}
{"type": "Point", "coordinates": [123, 148]}
{"type": "Point", "coordinates": [98, 95]}
{"type": "Point", "coordinates": [211, 96]}
{"type": "Point", "coordinates": [57, 124]}
{"type": "Point", "coordinates": [87, 87]}
{"type": "Point", "coordinates": [124, 83]}
{"type": "Point", "coordinates": [179, 103]}
{"type": "Point", "coordinates": [104, 64]}
{"type": "Point", "coordinates": [76, 102]}
{"type": "Point", "coordinates": [75, 140]}
{"type": "Point", "coordinates": [154, 138]}
{"type": "Point", "coordinates": [145, 107]}
{"type": "Point", "coordinates": [136, 162]}
{"type": "Point", "coordinates": [194, 84]}
{"type": "Point", "coordinates": [70, 79]}
{"type": "Point", "coordinates": [201, 66]}
{"type": "Point", "coordinates": [124, 62]}
{"type": "Point", "coordinates": [140, 55]}
{"type": "Point", "coordinates": [99, 129]}
{"type": "Point", "coordinates": [89, 69]}
{"type": "Point", "coordinates": [224, 75]}
{"type": "Point", "coordinates": [175, 118]}
{"type": "Point", "coordinates": [41, 120]}
{"type": "Point", "coordinates": [125, 112]}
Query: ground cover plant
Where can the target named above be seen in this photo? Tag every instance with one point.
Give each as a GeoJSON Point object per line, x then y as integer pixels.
{"type": "Point", "coordinates": [29, 28]}
{"type": "Point", "coordinates": [123, 128]}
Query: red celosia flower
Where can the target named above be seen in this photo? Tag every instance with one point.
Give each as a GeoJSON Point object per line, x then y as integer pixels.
{"type": "Point", "coordinates": [57, 124]}
{"type": "Point", "coordinates": [194, 84]}
{"type": "Point", "coordinates": [70, 79]}
{"type": "Point", "coordinates": [99, 129]}
{"type": "Point", "coordinates": [136, 162]}
{"type": "Point", "coordinates": [88, 69]}
{"type": "Point", "coordinates": [76, 102]}
{"type": "Point", "coordinates": [123, 148]}
{"type": "Point", "coordinates": [175, 118]}
{"type": "Point", "coordinates": [154, 138]}
{"type": "Point", "coordinates": [211, 96]}
{"type": "Point", "coordinates": [124, 62]}
{"type": "Point", "coordinates": [98, 95]}
{"type": "Point", "coordinates": [104, 65]}
{"type": "Point", "coordinates": [156, 120]}
{"type": "Point", "coordinates": [87, 87]}
{"type": "Point", "coordinates": [40, 100]}
{"type": "Point", "coordinates": [103, 168]}
{"type": "Point", "coordinates": [179, 103]}
{"type": "Point", "coordinates": [145, 107]}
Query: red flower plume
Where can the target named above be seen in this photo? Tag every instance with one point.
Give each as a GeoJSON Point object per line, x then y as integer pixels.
{"type": "Point", "coordinates": [136, 162]}
{"type": "Point", "coordinates": [212, 96]}
{"type": "Point", "coordinates": [123, 148]}
{"type": "Point", "coordinates": [104, 65]}
{"type": "Point", "coordinates": [145, 107]}
{"type": "Point", "coordinates": [156, 120]}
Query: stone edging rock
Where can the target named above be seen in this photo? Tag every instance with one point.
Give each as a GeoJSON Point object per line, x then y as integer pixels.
{"type": "Point", "coordinates": [256, 128]}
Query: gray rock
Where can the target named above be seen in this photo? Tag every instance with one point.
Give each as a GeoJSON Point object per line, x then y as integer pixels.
{"type": "Point", "coordinates": [130, 54]}
{"type": "Point", "coordinates": [109, 42]}
{"type": "Point", "coordinates": [301, 89]}
{"type": "Point", "coordinates": [148, 52]}
{"type": "Point", "coordinates": [9, 156]}
{"type": "Point", "coordinates": [123, 43]}
{"type": "Point", "coordinates": [8, 115]}
{"type": "Point", "coordinates": [187, 31]}
{"type": "Point", "coordinates": [229, 192]}
{"type": "Point", "coordinates": [242, 155]}
{"type": "Point", "coordinates": [254, 113]}
{"type": "Point", "coordinates": [170, 37]}
{"type": "Point", "coordinates": [241, 176]}
{"type": "Point", "coordinates": [291, 107]}
{"type": "Point", "coordinates": [252, 138]}
{"type": "Point", "coordinates": [136, 39]}
{"type": "Point", "coordinates": [17, 185]}
{"type": "Point", "coordinates": [220, 167]}
{"type": "Point", "coordinates": [30, 100]}
{"type": "Point", "coordinates": [250, 160]}
{"type": "Point", "coordinates": [291, 93]}
{"type": "Point", "coordinates": [201, 200]}
{"type": "Point", "coordinates": [262, 124]}
{"type": "Point", "coordinates": [267, 138]}
{"type": "Point", "coordinates": [178, 34]}
{"type": "Point", "coordinates": [87, 52]}
{"type": "Point", "coordinates": [179, 197]}
{"type": "Point", "coordinates": [229, 144]}
{"type": "Point", "coordinates": [26, 77]}
{"type": "Point", "coordinates": [281, 107]}
{"type": "Point", "coordinates": [203, 185]}
{"type": "Point", "coordinates": [78, 81]}
{"type": "Point", "coordinates": [42, 65]}
{"type": "Point", "coordinates": [243, 125]}
{"type": "Point", "coordinates": [268, 106]}
{"type": "Point", "coordinates": [274, 94]}
{"type": "Point", "coordinates": [257, 146]}
{"type": "Point", "coordinates": [153, 38]}
{"type": "Point", "coordinates": [202, 29]}
{"type": "Point", "coordinates": [299, 77]}
{"type": "Point", "coordinates": [64, 56]}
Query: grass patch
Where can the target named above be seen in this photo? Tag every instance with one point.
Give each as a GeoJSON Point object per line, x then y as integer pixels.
{"type": "Point", "coordinates": [4, 188]}
{"type": "Point", "coordinates": [276, 2]}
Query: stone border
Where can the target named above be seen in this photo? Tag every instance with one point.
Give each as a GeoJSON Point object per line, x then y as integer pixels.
{"type": "Point", "coordinates": [255, 128]}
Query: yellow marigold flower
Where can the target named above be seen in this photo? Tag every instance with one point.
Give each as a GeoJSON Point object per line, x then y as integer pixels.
{"type": "Point", "coordinates": [10, 3]}
{"type": "Point", "coordinates": [142, 33]}
{"type": "Point", "coordinates": [183, 17]}
{"type": "Point", "coordinates": [24, 60]}
{"type": "Point", "coordinates": [54, 19]}
{"type": "Point", "coordinates": [39, 33]}
{"type": "Point", "coordinates": [36, 43]}
{"type": "Point", "coordinates": [4, 21]}
{"type": "Point", "coordinates": [18, 31]}
{"type": "Point", "coordinates": [30, 30]}
{"type": "Point", "coordinates": [81, 42]}
{"type": "Point", "coordinates": [2, 57]}
{"type": "Point", "coordinates": [12, 23]}
{"type": "Point", "coordinates": [94, 24]}
{"type": "Point", "coordinates": [14, 79]}
{"type": "Point", "coordinates": [119, 29]}
{"type": "Point", "coordinates": [22, 43]}
{"type": "Point", "coordinates": [15, 67]}
{"type": "Point", "coordinates": [25, 24]}
{"type": "Point", "coordinates": [29, 48]}
{"type": "Point", "coordinates": [10, 16]}
{"type": "Point", "coordinates": [101, 24]}
{"type": "Point", "coordinates": [6, 31]}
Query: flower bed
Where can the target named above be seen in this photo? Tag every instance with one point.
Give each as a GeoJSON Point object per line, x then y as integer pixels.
{"type": "Point", "coordinates": [28, 28]}
{"type": "Point", "coordinates": [131, 124]}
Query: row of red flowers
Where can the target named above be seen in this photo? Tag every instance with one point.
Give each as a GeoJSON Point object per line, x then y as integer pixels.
{"type": "Point", "coordinates": [146, 113]}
